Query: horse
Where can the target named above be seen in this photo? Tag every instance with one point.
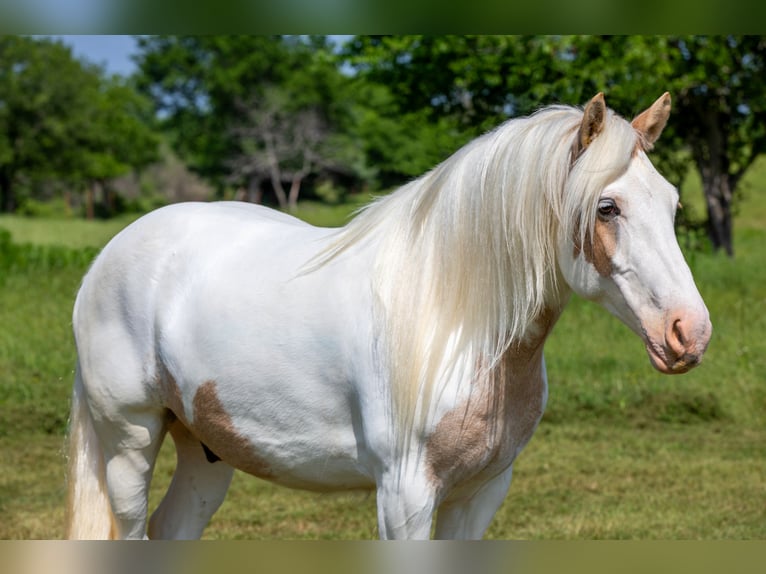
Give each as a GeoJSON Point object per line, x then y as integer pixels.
{"type": "Point", "coordinates": [401, 353]}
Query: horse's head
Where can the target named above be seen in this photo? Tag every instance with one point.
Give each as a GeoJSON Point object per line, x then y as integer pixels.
{"type": "Point", "coordinates": [627, 257]}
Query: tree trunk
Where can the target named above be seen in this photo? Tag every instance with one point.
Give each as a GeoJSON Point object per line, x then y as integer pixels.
{"type": "Point", "coordinates": [279, 191]}
{"type": "Point", "coordinates": [90, 201]}
{"type": "Point", "coordinates": [7, 193]}
{"type": "Point", "coordinates": [717, 189]}
{"type": "Point", "coordinates": [276, 180]}
{"type": "Point", "coordinates": [295, 190]}
{"type": "Point", "coordinates": [709, 150]}
{"type": "Point", "coordinates": [110, 199]}
{"type": "Point", "coordinates": [295, 184]}
{"type": "Point", "coordinates": [254, 191]}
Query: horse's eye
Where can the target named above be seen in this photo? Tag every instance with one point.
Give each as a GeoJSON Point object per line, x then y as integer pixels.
{"type": "Point", "coordinates": [607, 209]}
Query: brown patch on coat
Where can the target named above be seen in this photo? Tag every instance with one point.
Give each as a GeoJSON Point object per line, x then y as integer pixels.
{"type": "Point", "coordinates": [171, 396]}
{"type": "Point", "coordinates": [214, 427]}
{"type": "Point", "coordinates": [482, 436]}
{"type": "Point", "coordinates": [210, 425]}
{"type": "Point", "coordinates": [600, 250]}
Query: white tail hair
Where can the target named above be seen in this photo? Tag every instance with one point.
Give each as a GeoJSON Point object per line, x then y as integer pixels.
{"type": "Point", "coordinates": [467, 252]}
{"type": "Point", "coordinates": [89, 514]}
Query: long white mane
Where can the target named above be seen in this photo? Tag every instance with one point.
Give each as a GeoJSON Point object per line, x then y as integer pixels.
{"type": "Point", "coordinates": [467, 253]}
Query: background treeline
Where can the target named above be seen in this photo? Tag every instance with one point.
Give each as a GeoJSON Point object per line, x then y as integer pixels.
{"type": "Point", "coordinates": [278, 118]}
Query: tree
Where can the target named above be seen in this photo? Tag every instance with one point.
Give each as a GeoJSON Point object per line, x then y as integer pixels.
{"type": "Point", "coordinates": [422, 97]}
{"type": "Point", "coordinates": [195, 83]}
{"type": "Point", "coordinates": [399, 145]}
{"type": "Point", "coordinates": [40, 83]}
{"type": "Point", "coordinates": [277, 143]}
{"type": "Point", "coordinates": [244, 109]}
{"type": "Point", "coordinates": [62, 120]}
{"type": "Point", "coordinates": [717, 84]}
{"type": "Point", "coordinates": [115, 140]}
{"type": "Point", "coordinates": [478, 80]}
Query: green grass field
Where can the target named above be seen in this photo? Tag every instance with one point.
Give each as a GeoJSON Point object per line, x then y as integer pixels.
{"type": "Point", "coordinates": [622, 453]}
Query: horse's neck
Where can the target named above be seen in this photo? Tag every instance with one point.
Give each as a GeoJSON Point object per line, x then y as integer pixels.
{"type": "Point", "coordinates": [528, 347]}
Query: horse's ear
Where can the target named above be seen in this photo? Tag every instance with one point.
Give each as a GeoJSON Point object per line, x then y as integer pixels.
{"type": "Point", "coordinates": [651, 121]}
{"type": "Point", "coordinates": [593, 120]}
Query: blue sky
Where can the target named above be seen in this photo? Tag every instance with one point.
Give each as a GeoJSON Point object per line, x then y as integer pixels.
{"type": "Point", "coordinates": [113, 52]}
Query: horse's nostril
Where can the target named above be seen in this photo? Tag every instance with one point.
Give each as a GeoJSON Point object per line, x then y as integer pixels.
{"type": "Point", "coordinates": [676, 338]}
{"type": "Point", "coordinates": [678, 332]}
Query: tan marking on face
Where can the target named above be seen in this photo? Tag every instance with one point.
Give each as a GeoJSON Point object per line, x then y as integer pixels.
{"type": "Point", "coordinates": [213, 426]}
{"type": "Point", "coordinates": [484, 434]}
{"type": "Point", "coordinates": [599, 251]}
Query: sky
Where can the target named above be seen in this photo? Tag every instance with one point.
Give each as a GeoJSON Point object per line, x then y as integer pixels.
{"type": "Point", "coordinates": [113, 52]}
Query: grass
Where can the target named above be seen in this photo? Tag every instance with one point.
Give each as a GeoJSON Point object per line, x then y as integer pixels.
{"type": "Point", "coordinates": [622, 451]}
{"type": "Point", "coordinates": [73, 233]}
{"type": "Point", "coordinates": [324, 215]}
{"type": "Point", "coordinates": [574, 481]}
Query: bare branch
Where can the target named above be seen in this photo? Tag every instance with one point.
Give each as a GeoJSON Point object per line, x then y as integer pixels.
{"type": "Point", "coordinates": [276, 143]}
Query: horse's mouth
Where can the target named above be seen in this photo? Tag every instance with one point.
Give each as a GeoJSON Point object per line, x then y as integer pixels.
{"type": "Point", "coordinates": [667, 362]}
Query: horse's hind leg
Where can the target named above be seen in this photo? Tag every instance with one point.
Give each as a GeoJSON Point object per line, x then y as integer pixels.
{"type": "Point", "coordinates": [198, 488]}
{"type": "Point", "coordinates": [131, 442]}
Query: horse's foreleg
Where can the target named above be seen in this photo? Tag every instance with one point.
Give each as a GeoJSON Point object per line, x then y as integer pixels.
{"type": "Point", "coordinates": [405, 507]}
{"type": "Point", "coordinates": [197, 490]}
{"type": "Point", "coordinates": [467, 518]}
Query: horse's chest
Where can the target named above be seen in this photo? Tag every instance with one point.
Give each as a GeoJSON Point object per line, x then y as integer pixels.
{"type": "Point", "coordinates": [481, 437]}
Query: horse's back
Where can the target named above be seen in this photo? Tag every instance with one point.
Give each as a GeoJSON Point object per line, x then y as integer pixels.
{"type": "Point", "coordinates": [160, 253]}
{"type": "Point", "coordinates": [189, 259]}
{"type": "Point", "coordinates": [187, 236]}
{"type": "Point", "coordinates": [189, 227]}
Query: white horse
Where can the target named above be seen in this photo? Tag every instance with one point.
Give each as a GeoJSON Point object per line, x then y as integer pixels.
{"type": "Point", "coordinates": [402, 353]}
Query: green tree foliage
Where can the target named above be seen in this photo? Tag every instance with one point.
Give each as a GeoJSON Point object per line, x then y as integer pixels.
{"type": "Point", "coordinates": [114, 140]}
{"type": "Point", "coordinates": [226, 100]}
{"type": "Point", "coordinates": [720, 84]}
{"type": "Point", "coordinates": [717, 83]}
{"type": "Point", "coordinates": [195, 83]}
{"type": "Point", "coordinates": [719, 116]}
{"type": "Point", "coordinates": [63, 121]}
{"type": "Point", "coordinates": [396, 145]}
{"type": "Point", "coordinates": [396, 105]}
{"type": "Point", "coordinates": [479, 80]}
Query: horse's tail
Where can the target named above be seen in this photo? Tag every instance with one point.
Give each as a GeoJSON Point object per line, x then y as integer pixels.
{"type": "Point", "coordinates": [89, 513]}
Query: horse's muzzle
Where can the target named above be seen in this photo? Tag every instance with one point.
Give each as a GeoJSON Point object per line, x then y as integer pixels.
{"type": "Point", "coordinates": [683, 343]}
